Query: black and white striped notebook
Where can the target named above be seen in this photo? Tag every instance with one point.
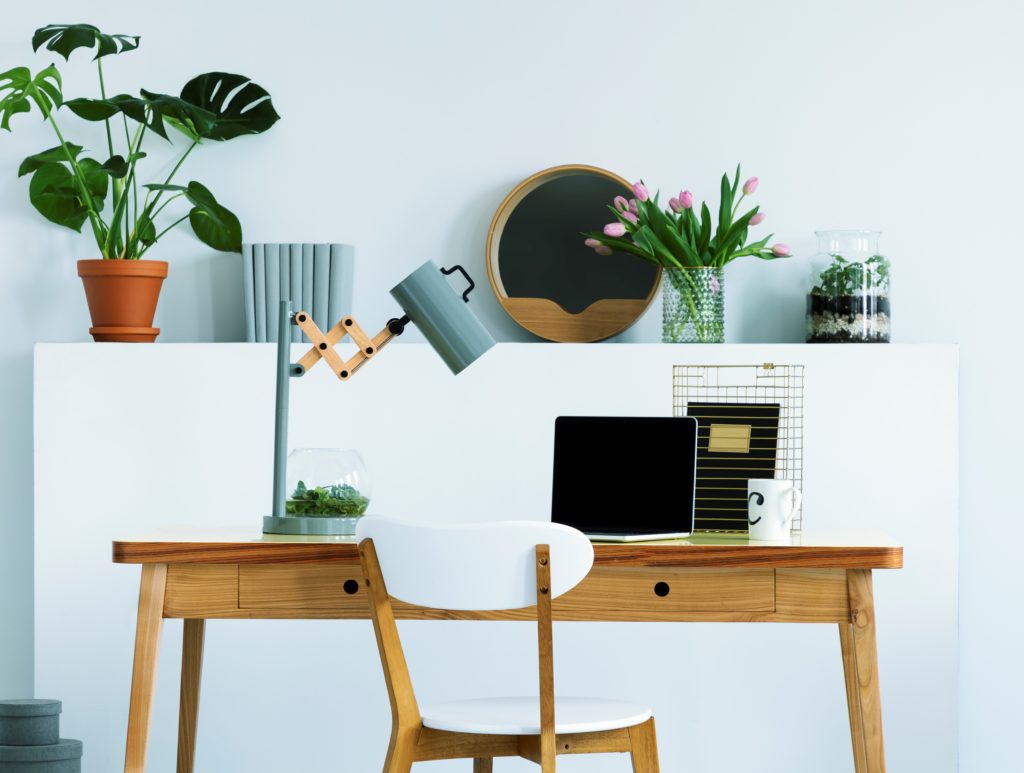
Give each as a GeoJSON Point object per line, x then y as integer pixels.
{"type": "Point", "coordinates": [735, 442]}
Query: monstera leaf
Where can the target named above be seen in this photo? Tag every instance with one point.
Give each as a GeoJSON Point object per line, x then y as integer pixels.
{"type": "Point", "coordinates": [65, 38]}
{"type": "Point", "coordinates": [150, 109]}
{"type": "Point", "coordinates": [57, 154]}
{"type": "Point", "coordinates": [238, 105]}
{"type": "Point", "coordinates": [213, 223]}
{"type": "Point", "coordinates": [44, 90]}
{"type": "Point", "coordinates": [55, 193]}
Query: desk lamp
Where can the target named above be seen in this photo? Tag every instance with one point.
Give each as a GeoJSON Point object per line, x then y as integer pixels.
{"type": "Point", "coordinates": [430, 303]}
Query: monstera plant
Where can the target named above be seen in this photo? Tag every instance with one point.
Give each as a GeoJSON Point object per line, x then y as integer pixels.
{"type": "Point", "coordinates": [73, 185]}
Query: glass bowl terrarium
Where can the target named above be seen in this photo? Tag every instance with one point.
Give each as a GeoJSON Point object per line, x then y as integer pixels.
{"type": "Point", "coordinates": [849, 299]}
{"type": "Point", "coordinates": [327, 487]}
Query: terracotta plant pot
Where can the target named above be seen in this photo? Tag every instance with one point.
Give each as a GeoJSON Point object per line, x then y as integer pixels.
{"type": "Point", "coordinates": [122, 297]}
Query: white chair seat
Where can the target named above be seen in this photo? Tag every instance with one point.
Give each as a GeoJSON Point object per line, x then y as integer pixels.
{"type": "Point", "coordinates": [521, 716]}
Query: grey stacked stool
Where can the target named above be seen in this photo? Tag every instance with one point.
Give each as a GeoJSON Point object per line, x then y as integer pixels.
{"type": "Point", "coordinates": [30, 739]}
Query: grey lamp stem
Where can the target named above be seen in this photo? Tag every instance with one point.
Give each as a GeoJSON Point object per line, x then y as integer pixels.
{"type": "Point", "coordinates": [284, 337]}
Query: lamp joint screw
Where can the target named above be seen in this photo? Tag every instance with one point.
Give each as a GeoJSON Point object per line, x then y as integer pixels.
{"type": "Point", "coordinates": [544, 590]}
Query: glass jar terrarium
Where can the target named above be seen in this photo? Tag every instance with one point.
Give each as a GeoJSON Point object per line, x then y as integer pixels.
{"type": "Point", "coordinates": [693, 305]}
{"type": "Point", "coordinates": [328, 488]}
{"type": "Point", "coordinates": [849, 299]}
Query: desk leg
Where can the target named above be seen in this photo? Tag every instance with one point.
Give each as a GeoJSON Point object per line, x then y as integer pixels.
{"type": "Point", "coordinates": [860, 662]}
{"type": "Point", "coordinates": [147, 647]}
{"type": "Point", "coordinates": [853, 696]}
{"type": "Point", "coordinates": [188, 707]}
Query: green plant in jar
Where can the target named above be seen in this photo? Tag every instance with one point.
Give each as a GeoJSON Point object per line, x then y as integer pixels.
{"type": "Point", "coordinates": [326, 501]}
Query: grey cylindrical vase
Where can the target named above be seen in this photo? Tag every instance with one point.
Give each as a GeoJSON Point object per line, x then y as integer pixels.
{"type": "Point", "coordinates": [65, 756]}
{"type": "Point", "coordinates": [442, 316]}
{"type": "Point", "coordinates": [33, 722]}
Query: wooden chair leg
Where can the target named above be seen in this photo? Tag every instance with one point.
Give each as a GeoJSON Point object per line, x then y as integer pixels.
{"type": "Point", "coordinates": [862, 607]}
{"type": "Point", "coordinates": [852, 696]}
{"type": "Point", "coordinates": [188, 706]}
{"type": "Point", "coordinates": [643, 743]}
{"type": "Point", "coordinates": [148, 628]}
{"type": "Point", "coordinates": [401, 750]}
{"type": "Point", "coordinates": [483, 765]}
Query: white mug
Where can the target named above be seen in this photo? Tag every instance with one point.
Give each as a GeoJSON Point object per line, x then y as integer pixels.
{"type": "Point", "coordinates": [771, 505]}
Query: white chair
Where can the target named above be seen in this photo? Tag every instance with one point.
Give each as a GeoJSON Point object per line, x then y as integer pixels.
{"type": "Point", "coordinates": [486, 567]}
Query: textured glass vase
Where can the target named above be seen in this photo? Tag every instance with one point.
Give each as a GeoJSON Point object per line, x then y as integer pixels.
{"type": "Point", "coordinates": [693, 306]}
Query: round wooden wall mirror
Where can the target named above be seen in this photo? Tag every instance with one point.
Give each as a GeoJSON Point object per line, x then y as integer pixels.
{"type": "Point", "coordinates": [545, 277]}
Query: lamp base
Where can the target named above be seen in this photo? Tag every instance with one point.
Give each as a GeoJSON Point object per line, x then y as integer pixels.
{"type": "Point", "coordinates": [306, 525]}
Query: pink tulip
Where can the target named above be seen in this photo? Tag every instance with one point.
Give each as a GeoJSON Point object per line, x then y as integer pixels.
{"type": "Point", "coordinates": [592, 243]}
{"type": "Point", "coordinates": [750, 186]}
{"type": "Point", "coordinates": [640, 191]}
{"type": "Point", "coordinates": [758, 218]}
{"type": "Point", "coordinates": [781, 251]}
{"type": "Point", "coordinates": [630, 217]}
{"type": "Point", "coordinates": [603, 250]}
{"type": "Point", "coordinates": [686, 199]}
{"type": "Point", "coordinates": [615, 229]}
{"type": "Point", "coordinates": [621, 204]}
{"type": "Point", "coordinates": [633, 207]}
{"type": "Point", "coordinates": [674, 205]}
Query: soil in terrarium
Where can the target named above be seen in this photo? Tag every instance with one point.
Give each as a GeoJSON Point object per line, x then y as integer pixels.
{"type": "Point", "coordinates": [862, 318]}
{"type": "Point", "coordinates": [326, 501]}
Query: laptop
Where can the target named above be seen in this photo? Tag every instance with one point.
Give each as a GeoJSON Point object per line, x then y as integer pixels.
{"type": "Point", "coordinates": [625, 479]}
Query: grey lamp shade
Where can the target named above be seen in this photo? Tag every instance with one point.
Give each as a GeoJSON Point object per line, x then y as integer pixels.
{"type": "Point", "coordinates": [443, 316]}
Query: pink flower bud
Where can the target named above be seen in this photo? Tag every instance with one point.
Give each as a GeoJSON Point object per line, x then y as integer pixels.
{"type": "Point", "coordinates": [621, 204]}
{"type": "Point", "coordinates": [674, 205]}
{"type": "Point", "coordinates": [633, 207]}
{"type": "Point", "coordinates": [615, 229]}
{"type": "Point", "coordinates": [592, 243]}
{"type": "Point", "coordinates": [758, 218]}
{"type": "Point", "coordinates": [603, 250]}
{"type": "Point", "coordinates": [714, 285]}
{"type": "Point", "coordinates": [640, 191]}
{"type": "Point", "coordinates": [750, 185]}
{"type": "Point", "coordinates": [686, 199]}
{"type": "Point", "coordinates": [630, 217]}
{"type": "Point", "coordinates": [781, 251]}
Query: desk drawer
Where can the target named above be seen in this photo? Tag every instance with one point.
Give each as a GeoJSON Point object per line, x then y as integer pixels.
{"type": "Point", "coordinates": [302, 586]}
{"type": "Point", "coordinates": [606, 593]}
{"type": "Point", "coordinates": [653, 594]}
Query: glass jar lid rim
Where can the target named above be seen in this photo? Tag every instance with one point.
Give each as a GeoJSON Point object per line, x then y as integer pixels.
{"type": "Point", "coordinates": [847, 232]}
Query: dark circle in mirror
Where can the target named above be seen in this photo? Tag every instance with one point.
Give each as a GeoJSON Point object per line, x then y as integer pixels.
{"type": "Point", "coordinates": [541, 253]}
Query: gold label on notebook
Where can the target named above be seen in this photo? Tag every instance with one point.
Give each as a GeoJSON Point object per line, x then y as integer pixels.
{"type": "Point", "coordinates": [729, 438]}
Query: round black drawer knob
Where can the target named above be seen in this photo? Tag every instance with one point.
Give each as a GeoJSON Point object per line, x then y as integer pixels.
{"type": "Point", "coordinates": [351, 587]}
{"type": "Point", "coordinates": [661, 589]}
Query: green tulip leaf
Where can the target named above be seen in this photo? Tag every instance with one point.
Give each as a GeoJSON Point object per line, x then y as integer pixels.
{"type": "Point", "coordinates": [238, 105]}
{"type": "Point", "coordinates": [213, 223]}
{"type": "Point", "coordinates": [57, 154]}
{"type": "Point", "coordinates": [22, 89]}
{"type": "Point", "coordinates": [55, 193]}
{"type": "Point", "coordinates": [65, 38]}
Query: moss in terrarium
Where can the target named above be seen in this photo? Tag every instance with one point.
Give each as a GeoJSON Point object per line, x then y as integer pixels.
{"type": "Point", "coordinates": [326, 501]}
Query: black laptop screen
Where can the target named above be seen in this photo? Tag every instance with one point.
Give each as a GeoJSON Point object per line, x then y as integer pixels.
{"type": "Point", "coordinates": [624, 475]}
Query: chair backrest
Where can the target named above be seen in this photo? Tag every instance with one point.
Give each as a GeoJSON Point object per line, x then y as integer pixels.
{"type": "Point", "coordinates": [474, 567]}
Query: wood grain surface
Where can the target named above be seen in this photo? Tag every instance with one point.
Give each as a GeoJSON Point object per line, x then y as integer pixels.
{"type": "Point", "coordinates": [846, 551]}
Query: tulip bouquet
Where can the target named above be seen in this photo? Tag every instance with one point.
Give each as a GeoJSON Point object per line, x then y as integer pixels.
{"type": "Point", "coordinates": [691, 250]}
{"type": "Point", "coordinates": [678, 238]}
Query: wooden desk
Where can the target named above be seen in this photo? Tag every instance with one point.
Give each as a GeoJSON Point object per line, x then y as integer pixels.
{"type": "Point", "coordinates": [811, 579]}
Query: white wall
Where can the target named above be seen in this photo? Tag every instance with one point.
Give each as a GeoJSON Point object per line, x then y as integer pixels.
{"type": "Point", "coordinates": [470, 448]}
{"type": "Point", "coordinates": [898, 115]}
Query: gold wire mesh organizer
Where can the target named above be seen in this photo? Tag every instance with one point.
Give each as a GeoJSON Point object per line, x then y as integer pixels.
{"type": "Point", "coordinates": [765, 384]}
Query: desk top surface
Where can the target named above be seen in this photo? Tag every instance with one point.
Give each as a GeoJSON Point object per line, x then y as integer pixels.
{"type": "Point", "coordinates": [810, 549]}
